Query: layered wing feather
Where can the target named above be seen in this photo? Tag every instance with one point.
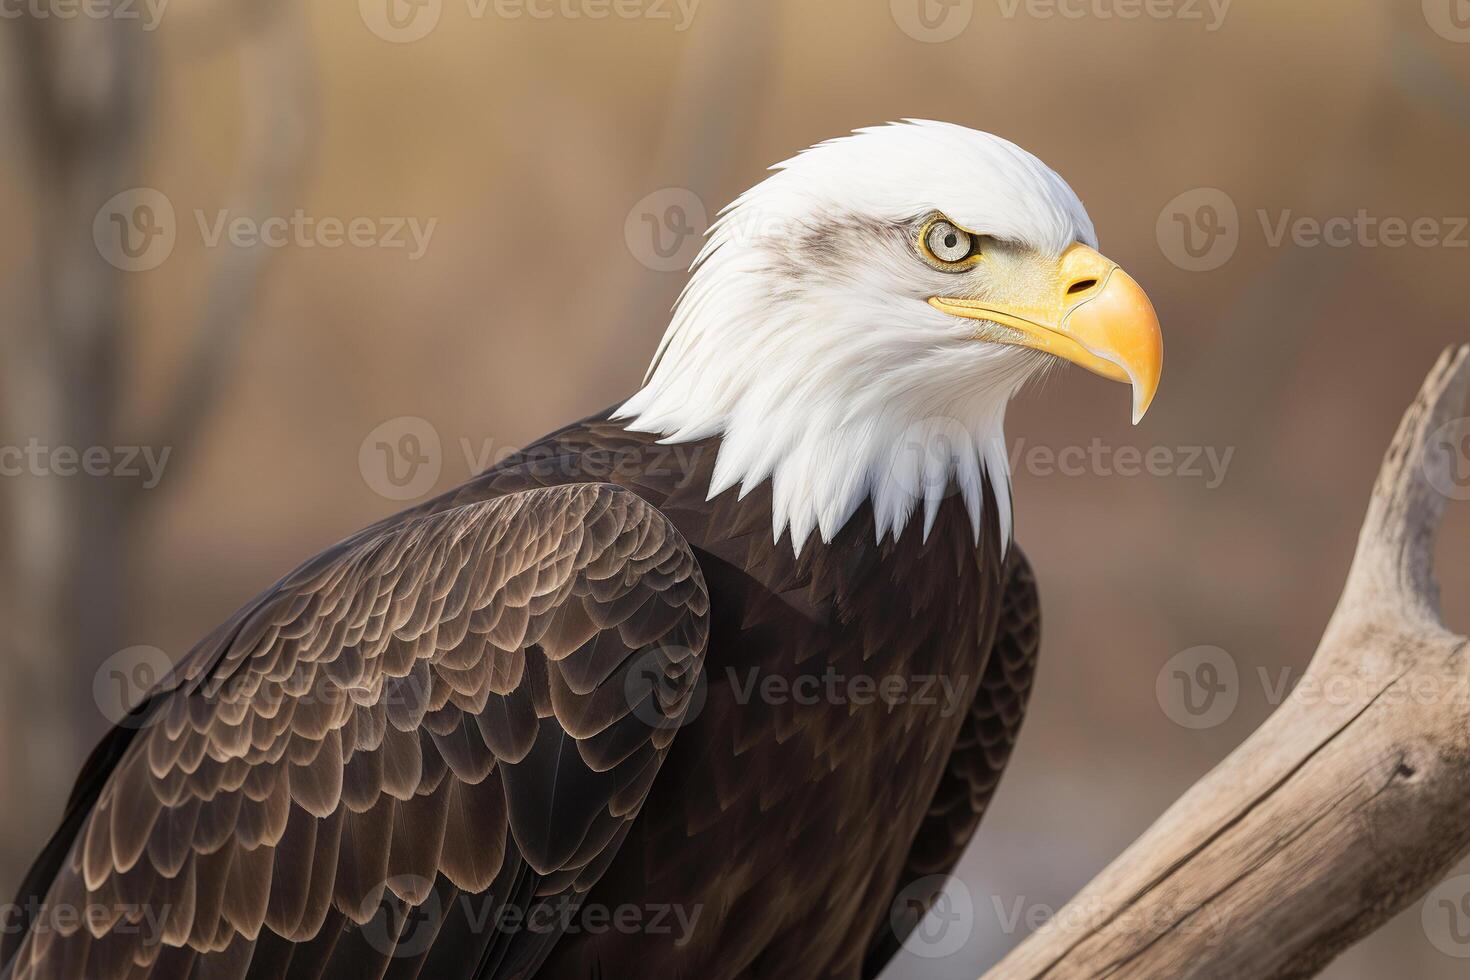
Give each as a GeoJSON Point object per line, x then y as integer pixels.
{"type": "Point", "coordinates": [445, 717]}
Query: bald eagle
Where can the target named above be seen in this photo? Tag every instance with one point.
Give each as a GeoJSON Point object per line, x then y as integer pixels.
{"type": "Point", "coordinates": [650, 697]}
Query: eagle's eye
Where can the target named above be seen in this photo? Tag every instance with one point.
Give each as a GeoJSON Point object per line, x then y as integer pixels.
{"type": "Point", "coordinates": [948, 247]}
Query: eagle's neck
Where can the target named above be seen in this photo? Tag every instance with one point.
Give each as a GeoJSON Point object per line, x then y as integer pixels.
{"type": "Point", "coordinates": [830, 433]}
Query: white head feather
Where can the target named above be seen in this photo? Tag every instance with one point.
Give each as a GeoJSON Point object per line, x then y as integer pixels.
{"type": "Point", "coordinates": [804, 337]}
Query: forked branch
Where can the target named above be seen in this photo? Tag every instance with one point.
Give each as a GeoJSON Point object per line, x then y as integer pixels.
{"type": "Point", "coordinates": [1349, 803]}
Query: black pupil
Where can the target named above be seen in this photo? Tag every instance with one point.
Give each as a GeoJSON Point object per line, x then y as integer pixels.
{"type": "Point", "coordinates": [951, 240]}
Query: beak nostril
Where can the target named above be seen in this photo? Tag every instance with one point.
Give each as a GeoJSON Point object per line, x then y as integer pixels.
{"type": "Point", "coordinates": [1081, 286]}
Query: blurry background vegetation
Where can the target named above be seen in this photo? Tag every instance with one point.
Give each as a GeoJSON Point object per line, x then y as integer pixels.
{"type": "Point", "coordinates": [530, 141]}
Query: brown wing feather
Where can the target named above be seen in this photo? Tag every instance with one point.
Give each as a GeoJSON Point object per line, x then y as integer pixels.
{"type": "Point", "coordinates": [978, 760]}
{"type": "Point", "coordinates": [438, 709]}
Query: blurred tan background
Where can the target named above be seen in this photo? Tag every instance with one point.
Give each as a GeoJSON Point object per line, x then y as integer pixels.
{"type": "Point", "coordinates": [537, 147]}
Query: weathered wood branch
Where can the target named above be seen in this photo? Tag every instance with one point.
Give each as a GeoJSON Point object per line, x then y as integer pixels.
{"type": "Point", "coordinates": [1349, 803]}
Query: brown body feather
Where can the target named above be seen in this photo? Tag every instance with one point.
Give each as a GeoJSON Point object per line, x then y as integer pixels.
{"type": "Point", "coordinates": [545, 726]}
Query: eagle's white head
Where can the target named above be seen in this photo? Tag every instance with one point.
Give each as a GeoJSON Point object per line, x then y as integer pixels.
{"type": "Point", "coordinates": [857, 323]}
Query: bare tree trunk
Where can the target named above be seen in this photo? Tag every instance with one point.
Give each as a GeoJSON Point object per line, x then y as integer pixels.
{"type": "Point", "coordinates": [1345, 806]}
{"type": "Point", "coordinates": [83, 90]}
{"type": "Point", "coordinates": [83, 95]}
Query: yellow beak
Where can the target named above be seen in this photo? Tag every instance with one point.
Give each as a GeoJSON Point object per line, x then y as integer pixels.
{"type": "Point", "coordinates": [1093, 314]}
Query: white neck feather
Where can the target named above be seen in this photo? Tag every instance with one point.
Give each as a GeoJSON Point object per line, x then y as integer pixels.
{"type": "Point", "coordinates": [806, 394]}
